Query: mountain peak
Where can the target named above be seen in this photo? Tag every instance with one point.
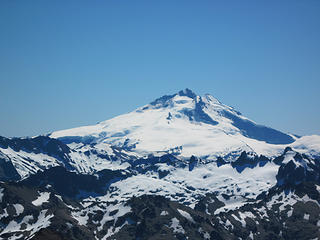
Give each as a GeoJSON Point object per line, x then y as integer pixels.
{"type": "Point", "coordinates": [188, 93]}
{"type": "Point", "coordinates": [185, 123]}
{"type": "Point", "coordinates": [164, 101]}
{"type": "Point", "coordinates": [211, 98]}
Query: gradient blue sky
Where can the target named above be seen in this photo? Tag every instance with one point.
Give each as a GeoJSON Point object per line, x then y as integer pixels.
{"type": "Point", "coordinates": [65, 64]}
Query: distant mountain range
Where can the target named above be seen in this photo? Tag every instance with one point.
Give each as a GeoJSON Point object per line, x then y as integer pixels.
{"type": "Point", "coordinates": [182, 167]}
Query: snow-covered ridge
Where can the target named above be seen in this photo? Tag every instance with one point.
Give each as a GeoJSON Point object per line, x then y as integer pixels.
{"type": "Point", "coordinates": [183, 124]}
{"type": "Point", "coordinates": [187, 124]}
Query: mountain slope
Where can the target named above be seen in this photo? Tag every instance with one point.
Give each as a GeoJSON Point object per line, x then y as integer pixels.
{"type": "Point", "coordinates": [40, 208]}
{"type": "Point", "coordinates": [184, 124]}
{"type": "Point", "coordinates": [20, 157]}
{"type": "Point", "coordinates": [181, 167]}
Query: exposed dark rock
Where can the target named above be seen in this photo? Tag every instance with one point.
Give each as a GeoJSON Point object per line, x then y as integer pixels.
{"type": "Point", "coordinates": [297, 169]}
{"type": "Point", "coordinates": [247, 161]}
{"type": "Point", "coordinates": [7, 170]}
{"type": "Point", "coordinates": [74, 185]}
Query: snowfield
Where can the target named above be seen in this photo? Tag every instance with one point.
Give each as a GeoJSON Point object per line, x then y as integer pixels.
{"type": "Point", "coordinates": [42, 198]}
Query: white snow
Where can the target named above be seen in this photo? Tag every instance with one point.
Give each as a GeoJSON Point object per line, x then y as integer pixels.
{"type": "Point", "coordinates": [306, 198]}
{"type": "Point", "coordinates": [186, 215]}
{"type": "Point", "coordinates": [251, 235]}
{"type": "Point", "coordinates": [228, 224]}
{"type": "Point", "coordinates": [43, 221]}
{"type": "Point", "coordinates": [140, 185]}
{"type": "Point", "coordinates": [16, 237]}
{"type": "Point", "coordinates": [147, 130]}
{"type": "Point", "coordinates": [242, 221]}
{"type": "Point", "coordinates": [113, 230]}
{"type": "Point", "coordinates": [283, 199]}
{"type": "Point", "coordinates": [203, 179]}
{"type": "Point", "coordinates": [1, 194]}
{"type": "Point", "coordinates": [309, 145]}
{"type": "Point", "coordinates": [263, 212]}
{"type": "Point", "coordinates": [244, 215]}
{"type": "Point", "coordinates": [175, 225]}
{"type": "Point", "coordinates": [4, 214]}
{"type": "Point", "coordinates": [85, 163]}
{"type": "Point", "coordinates": [27, 162]}
{"type": "Point", "coordinates": [19, 208]}
{"type": "Point", "coordinates": [82, 217]}
{"type": "Point", "coordinates": [122, 210]}
{"type": "Point", "coordinates": [150, 131]}
{"type": "Point", "coordinates": [164, 213]}
{"type": "Point", "coordinates": [289, 157]}
{"type": "Point", "coordinates": [60, 198]}
{"type": "Point", "coordinates": [42, 198]}
{"type": "Point", "coordinates": [206, 235]}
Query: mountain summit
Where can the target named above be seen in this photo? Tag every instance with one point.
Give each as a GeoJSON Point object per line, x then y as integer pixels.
{"type": "Point", "coordinates": [183, 123]}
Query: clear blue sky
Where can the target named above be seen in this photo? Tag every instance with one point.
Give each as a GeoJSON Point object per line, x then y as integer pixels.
{"type": "Point", "coordinates": [65, 64]}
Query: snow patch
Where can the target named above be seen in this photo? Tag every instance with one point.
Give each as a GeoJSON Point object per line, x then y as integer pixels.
{"type": "Point", "coordinates": [242, 221]}
{"type": "Point", "coordinates": [42, 198]}
{"type": "Point", "coordinates": [19, 209]}
{"type": "Point", "coordinates": [1, 194]}
{"type": "Point", "coordinates": [164, 213]}
{"type": "Point", "coordinates": [186, 215]}
{"type": "Point", "coordinates": [43, 221]}
{"type": "Point", "coordinates": [82, 217]}
{"type": "Point", "coordinates": [175, 225]}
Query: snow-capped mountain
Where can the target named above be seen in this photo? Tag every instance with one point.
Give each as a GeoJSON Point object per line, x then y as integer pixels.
{"type": "Point", "coordinates": [187, 124]}
{"type": "Point", "coordinates": [182, 167]}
